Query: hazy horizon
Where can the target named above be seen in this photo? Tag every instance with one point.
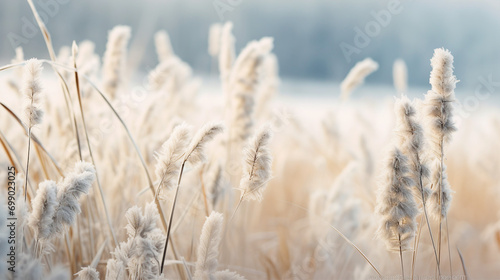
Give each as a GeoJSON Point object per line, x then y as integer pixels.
{"type": "Point", "coordinates": [307, 34]}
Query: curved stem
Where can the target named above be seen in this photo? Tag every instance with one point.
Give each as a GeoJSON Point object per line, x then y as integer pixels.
{"type": "Point", "coordinates": [172, 216]}
{"type": "Point", "coordinates": [27, 164]}
{"type": "Point", "coordinates": [101, 192]}
{"type": "Point", "coordinates": [237, 207]}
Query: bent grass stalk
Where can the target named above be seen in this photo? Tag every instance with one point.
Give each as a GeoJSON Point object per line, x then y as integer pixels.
{"type": "Point", "coordinates": [341, 235]}
{"type": "Point", "coordinates": [463, 264]}
{"type": "Point", "coordinates": [136, 148]}
{"type": "Point", "coordinates": [35, 139]}
{"type": "Point", "coordinates": [101, 193]}
{"type": "Point", "coordinates": [172, 216]}
{"type": "Point", "coordinates": [64, 85]}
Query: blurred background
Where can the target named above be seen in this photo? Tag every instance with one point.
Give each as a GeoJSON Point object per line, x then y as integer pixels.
{"type": "Point", "coordinates": [309, 35]}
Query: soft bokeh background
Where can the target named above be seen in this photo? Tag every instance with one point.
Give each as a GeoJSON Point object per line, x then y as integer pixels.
{"type": "Point", "coordinates": [307, 33]}
{"type": "Point", "coordinates": [328, 155]}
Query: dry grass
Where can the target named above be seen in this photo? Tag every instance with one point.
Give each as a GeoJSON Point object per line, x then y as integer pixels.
{"type": "Point", "coordinates": [317, 218]}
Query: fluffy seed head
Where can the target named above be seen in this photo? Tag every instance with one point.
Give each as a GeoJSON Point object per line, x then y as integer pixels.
{"type": "Point", "coordinates": [114, 58]}
{"type": "Point", "coordinates": [410, 137]}
{"type": "Point", "coordinates": [214, 39]}
{"type": "Point", "coordinates": [439, 100]}
{"type": "Point", "coordinates": [400, 76]}
{"type": "Point", "coordinates": [208, 249]}
{"type": "Point", "coordinates": [32, 90]}
{"type": "Point", "coordinates": [88, 273]}
{"type": "Point", "coordinates": [256, 166]}
{"type": "Point", "coordinates": [163, 46]}
{"type": "Point", "coordinates": [44, 207]}
{"type": "Point", "coordinates": [396, 205]}
{"type": "Point", "coordinates": [356, 76]}
{"type": "Point", "coordinates": [75, 184]}
{"type": "Point", "coordinates": [435, 208]}
{"type": "Point", "coordinates": [195, 152]}
{"type": "Point", "coordinates": [442, 79]}
{"type": "Point", "coordinates": [226, 52]}
{"type": "Point", "coordinates": [168, 159]}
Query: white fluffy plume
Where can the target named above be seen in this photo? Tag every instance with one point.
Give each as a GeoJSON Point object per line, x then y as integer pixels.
{"type": "Point", "coordinates": [439, 100]}
{"type": "Point", "coordinates": [226, 52]}
{"type": "Point", "coordinates": [195, 152]}
{"type": "Point", "coordinates": [243, 87]}
{"type": "Point", "coordinates": [44, 207]}
{"type": "Point", "coordinates": [439, 177]}
{"type": "Point", "coordinates": [410, 137]}
{"type": "Point", "coordinates": [32, 90]}
{"type": "Point", "coordinates": [75, 184]}
{"type": "Point", "coordinates": [400, 76]}
{"type": "Point", "coordinates": [88, 273]}
{"type": "Point", "coordinates": [439, 113]}
{"type": "Point", "coordinates": [163, 46]}
{"type": "Point", "coordinates": [170, 155]}
{"type": "Point", "coordinates": [396, 204]}
{"type": "Point", "coordinates": [356, 76]}
{"type": "Point", "coordinates": [256, 166]}
{"type": "Point", "coordinates": [214, 39]}
{"type": "Point", "coordinates": [114, 59]}
{"type": "Point", "coordinates": [208, 249]}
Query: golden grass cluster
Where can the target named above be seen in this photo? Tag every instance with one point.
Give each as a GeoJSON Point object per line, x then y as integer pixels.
{"type": "Point", "coordinates": [157, 182]}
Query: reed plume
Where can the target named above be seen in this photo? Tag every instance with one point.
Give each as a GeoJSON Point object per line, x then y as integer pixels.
{"type": "Point", "coordinates": [214, 182]}
{"type": "Point", "coordinates": [243, 86]}
{"type": "Point", "coordinates": [163, 46]}
{"type": "Point", "coordinates": [75, 184]}
{"type": "Point", "coordinates": [228, 275]}
{"type": "Point", "coordinates": [115, 269]}
{"type": "Point", "coordinates": [269, 84]}
{"type": "Point", "coordinates": [396, 205]}
{"type": "Point", "coordinates": [208, 249]}
{"type": "Point", "coordinates": [438, 102]}
{"type": "Point", "coordinates": [88, 273]}
{"type": "Point", "coordinates": [138, 257]}
{"type": "Point", "coordinates": [356, 77]}
{"type": "Point", "coordinates": [44, 207]}
{"type": "Point", "coordinates": [214, 39]}
{"type": "Point", "coordinates": [400, 76]}
{"type": "Point", "coordinates": [411, 141]}
{"type": "Point", "coordinates": [53, 212]}
{"type": "Point", "coordinates": [439, 113]}
{"type": "Point", "coordinates": [32, 90]}
{"type": "Point", "coordinates": [195, 154]}
{"type": "Point", "coordinates": [170, 75]}
{"type": "Point", "coordinates": [439, 177]}
{"type": "Point", "coordinates": [256, 166]}
{"type": "Point", "coordinates": [226, 54]}
{"type": "Point", "coordinates": [114, 59]}
{"type": "Point", "coordinates": [170, 155]}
